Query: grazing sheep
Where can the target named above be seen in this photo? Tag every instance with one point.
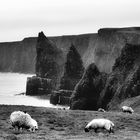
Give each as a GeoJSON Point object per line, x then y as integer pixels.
{"type": "Point", "coordinates": [127, 109]}
{"type": "Point", "coordinates": [100, 124]}
{"type": "Point", "coordinates": [22, 120]}
{"type": "Point", "coordinates": [101, 110]}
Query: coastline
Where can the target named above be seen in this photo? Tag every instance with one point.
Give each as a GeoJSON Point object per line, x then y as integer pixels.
{"type": "Point", "coordinates": [59, 124]}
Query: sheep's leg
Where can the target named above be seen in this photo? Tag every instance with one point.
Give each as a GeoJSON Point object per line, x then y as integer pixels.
{"type": "Point", "coordinates": [16, 128]}
{"type": "Point", "coordinates": [30, 129]}
{"type": "Point", "coordinates": [111, 130]}
{"type": "Point", "coordinates": [33, 130]}
{"type": "Point", "coordinates": [20, 129]}
{"type": "Point", "coordinates": [95, 130]}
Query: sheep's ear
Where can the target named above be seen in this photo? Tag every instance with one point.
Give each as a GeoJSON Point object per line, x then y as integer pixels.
{"type": "Point", "coordinates": [86, 130]}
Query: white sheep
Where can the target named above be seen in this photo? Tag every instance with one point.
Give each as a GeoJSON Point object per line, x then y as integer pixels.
{"type": "Point", "coordinates": [22, 120]}
{"type": "Point", "coordinates": [100, 124]}
{"type": "Point", "coordinates": [101, 110]}
{"type": "Point", "coordinates": [127, 109]}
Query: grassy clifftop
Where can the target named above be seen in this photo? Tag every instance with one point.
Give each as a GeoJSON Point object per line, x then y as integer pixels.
{"type": "Point", "coordinates": [67, 124]}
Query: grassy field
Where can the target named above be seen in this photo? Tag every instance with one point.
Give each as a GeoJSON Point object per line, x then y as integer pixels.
{"type": "Point", "coordinates": [57, 124]}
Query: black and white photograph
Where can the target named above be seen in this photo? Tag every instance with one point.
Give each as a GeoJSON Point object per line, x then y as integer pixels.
{"type": "Point", "coordinates": [69, 69]}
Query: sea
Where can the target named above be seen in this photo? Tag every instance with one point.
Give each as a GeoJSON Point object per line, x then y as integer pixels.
{"type": "Point", "coordinates": [11, 87]}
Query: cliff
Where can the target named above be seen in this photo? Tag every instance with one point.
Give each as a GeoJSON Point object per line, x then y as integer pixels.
{"type": "Point", "coordinates": [102, 48]}
{"type": "Point", "coordinates": [124, 80]}
{"type": "Point", "coordinates": [73, 69]}
{"type": "Point", "coordinates": [49, 67]}
{"type": "Point", "coordinates": [18, 56]}
{"type": "Point", "coordinates": [117, 47]}
{"type": "Point", "coordinates": [109, 91]}
{"type": "Point", "coordinates": [87, 91]}
{"type": "Point", "coordinates": [49, 59]}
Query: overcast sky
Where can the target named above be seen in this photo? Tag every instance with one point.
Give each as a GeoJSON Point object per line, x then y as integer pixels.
{"type": "Point", "coordinates": [24, 18]}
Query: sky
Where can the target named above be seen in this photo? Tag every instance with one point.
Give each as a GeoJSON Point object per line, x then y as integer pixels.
{"type": "Point", "coordinates": [25, 18]}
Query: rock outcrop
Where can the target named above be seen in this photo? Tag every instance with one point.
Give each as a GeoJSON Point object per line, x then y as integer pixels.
{"type": "Point", "coordinates": [124, 81]}
{"type": "Point", "coordinates": [112, 89]}
{"type": "Point", "coordinates": [87, 91]}
{"type": "Point", "coordinates": [49, 60]}
{"type": "Point", "coordinates": [38, 86]}
{"type": "Point", "coordinates": [103, 48]}
{"type": "Point", "coordinates": [73, 70]}
{"type": "Point", "coordinates": [61, 97]}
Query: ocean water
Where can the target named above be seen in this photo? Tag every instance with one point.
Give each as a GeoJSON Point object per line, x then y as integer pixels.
{"type": "Point", "coordinates": [12, 84]}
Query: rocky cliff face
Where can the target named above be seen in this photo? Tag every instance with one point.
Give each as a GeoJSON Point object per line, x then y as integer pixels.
{"type": "Point", "coordinates": [49, 59]}
{"type": "Point", "coordinates": [101, 48]}
{"type": "Point", "coordinates": [49, 67]}
{"type": "Point", "coordinates": [124, 81]}
{"type": "Point", "coordinates": [73, 69]}
{"type": "Point", "coordinates": [87, 91]}
{"type": "Point", "coordinates": [109, 91]}
{"type": "Point", "coordinates": [18, 56]}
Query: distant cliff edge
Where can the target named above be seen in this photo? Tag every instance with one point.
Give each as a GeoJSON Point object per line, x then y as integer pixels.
{"type": "Point", "coordinates": [102, 48]}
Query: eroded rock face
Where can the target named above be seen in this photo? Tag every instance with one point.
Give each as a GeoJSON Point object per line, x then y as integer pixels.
{"type": "Point", "coordinates": [87, 92]}
{"type": "Point", "coordinates": [124, 81]}
{"type": "Point", "coordinates": [18, 56]}
{"type": "Point", "coordinates": [49, 60]}
{"type": "Point", "coordinates": [49, 66]}
{"type": "Point", "coordinates": [61, 97]}
{"type": "Point", "coordinates": [73, 70]}
{"type": "Point", "coordinates": [38, 86]}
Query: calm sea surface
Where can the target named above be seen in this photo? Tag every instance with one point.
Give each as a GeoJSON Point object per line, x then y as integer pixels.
{"type": "Point", "coordinates": [14, 83]}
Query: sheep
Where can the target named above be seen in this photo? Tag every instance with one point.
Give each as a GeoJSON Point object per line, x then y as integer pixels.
{"type": "Point", "coordinates": [127, 109]}
{"type": "Point", "coordinates": [100, 124]}
{"type": "Point", "coordinates": [101, 110]}
{"type": "Point", "coordinates": [22, 120]}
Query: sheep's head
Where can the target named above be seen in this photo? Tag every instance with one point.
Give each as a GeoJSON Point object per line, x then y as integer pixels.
{"type": "Point", "coordinates": [33, 126]}
{"type": "Point", "coordinates": [111, 129]}
{"type": "Point", "coordinates": [86, 129]}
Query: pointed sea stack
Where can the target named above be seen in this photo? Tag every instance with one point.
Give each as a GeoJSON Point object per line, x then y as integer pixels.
{"type": "Point", "coordinates": [49, 60]}
{"type": "Point", "coordinates": [73, 69]}
{"type": "Point", "coordinates": [87, 92]}
{"type": "Point", "coordinates": [49, 66]}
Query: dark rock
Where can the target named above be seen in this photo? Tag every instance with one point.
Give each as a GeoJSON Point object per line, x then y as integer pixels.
{"type": "Point", "coordinates": [66, 93]}
{"type": "Point", "coordinates": [38, 86]}
{"type": "Point", "coordinates": [49, 60]}
{"type": "Point", "coordinates": [87, 92]}
{"type": "Point", "coordinates": [124, 81]}
{"type": "Point", "coordinates": [61, 97]}
{"type": "Point", "coordinates": [73, 70]}
{"type": "Point", "coordinates": [54, 98]}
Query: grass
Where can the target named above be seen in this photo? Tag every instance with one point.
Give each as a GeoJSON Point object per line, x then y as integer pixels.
{"type": "Point", "coordinates": [67, 124]}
